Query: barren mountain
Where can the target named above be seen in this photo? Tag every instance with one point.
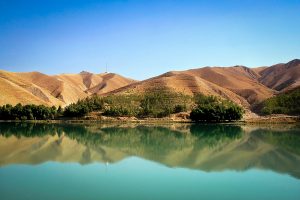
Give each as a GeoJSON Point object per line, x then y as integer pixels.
{"type": "Point", "coordinates": [281, 77]}
{"type": "Point", "coordinates": [63, 89]}
{"type": "Point", "coordinates": [239, 84]}
{"type": "Point", "coordinates": [245, 86]}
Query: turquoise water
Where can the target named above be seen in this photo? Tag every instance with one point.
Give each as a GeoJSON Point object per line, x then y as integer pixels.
{"type": "Point", "coordinates": [149, 162]}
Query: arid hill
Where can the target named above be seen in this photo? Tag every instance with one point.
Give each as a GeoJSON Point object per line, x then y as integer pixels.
{"type": "Point", "coordinates": [63, 89]}
{"type": "Point", "coordinates": [281, 77]}
{"type": "Point", "coordinates": [243, 85]}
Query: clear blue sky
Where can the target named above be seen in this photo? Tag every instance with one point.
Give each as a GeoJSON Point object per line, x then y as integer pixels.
{"type": "Point", "coordinates": [140, 39]}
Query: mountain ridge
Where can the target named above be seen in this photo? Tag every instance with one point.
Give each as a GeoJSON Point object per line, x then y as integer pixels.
{"type": "Point", "coordinates": [243, 85]}
{"type": "Point", "coordinates": [61, 89]}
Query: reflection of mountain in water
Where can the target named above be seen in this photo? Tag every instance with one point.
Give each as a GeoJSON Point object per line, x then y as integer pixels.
{"type": "Point", "coordinates": [204, 147]}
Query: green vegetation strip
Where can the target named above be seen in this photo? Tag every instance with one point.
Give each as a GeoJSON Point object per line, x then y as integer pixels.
{"type": "Point", "coordinates": [154, 103]}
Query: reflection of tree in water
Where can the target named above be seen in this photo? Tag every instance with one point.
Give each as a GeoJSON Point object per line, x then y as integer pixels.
{"type": "Point", "coordinates": [151, 142]}
{"type": "Point", "coordinates": [28, 129]}
{"type": "Point", "coordinates": [145, 140]}
{"type": "Point", "coordinates": [156, 139]}
{"type": "Point", "coordinates": [288, 140]}
{"type": "Point", "coordinates": [207, 147]}
{"type": "Point", "coordinates": [214, 134]}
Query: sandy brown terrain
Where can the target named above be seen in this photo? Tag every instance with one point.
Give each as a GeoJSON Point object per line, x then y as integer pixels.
{"type": "Point", "coordinates": [281, 77]}
{"type": "Point", "coordinates": [245, 86]}
{"type": "Point", "coordinates": [238, 84]}
{"type": "Point", "coordinates": [63, 89]}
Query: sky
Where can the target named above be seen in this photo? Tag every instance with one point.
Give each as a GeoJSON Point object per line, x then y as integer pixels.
{"type": "Point", "coordinates": [141, 39]}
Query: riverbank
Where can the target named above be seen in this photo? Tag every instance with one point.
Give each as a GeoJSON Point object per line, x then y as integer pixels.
{"type": "Point", "coordinates": [179, 118]}
{"type": "Point", "coordinates": [274, 119]}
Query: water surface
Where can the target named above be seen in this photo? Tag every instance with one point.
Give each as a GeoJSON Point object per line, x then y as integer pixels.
{"type": "Point", "coordinates": [174, 161]}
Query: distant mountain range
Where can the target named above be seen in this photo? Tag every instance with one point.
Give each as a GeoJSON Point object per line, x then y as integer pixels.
{"type": "Point", "coordinates": [243, 85]}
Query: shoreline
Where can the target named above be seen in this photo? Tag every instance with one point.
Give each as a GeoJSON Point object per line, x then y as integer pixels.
{"type": "Point", "coordinates": [273, 119]}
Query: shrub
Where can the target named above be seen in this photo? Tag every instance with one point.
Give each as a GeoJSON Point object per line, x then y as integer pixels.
{"type": "Point", "coordinates": [161, 102]}
{"type": "Point", "coordinates": [180, 108]}
{"type": "Point", "coordinates": [39, 112]}
{"type": "Point", "coordinates": [118, 111]}
{"type": "Point", "coordinates": [286, 103]}
{"type": "Point", "coordinates": [211, 108]}
{"type": "Point", "coordinates": [83, 107]}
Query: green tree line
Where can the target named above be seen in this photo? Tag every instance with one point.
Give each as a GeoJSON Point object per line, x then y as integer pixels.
{"type": "Point", "coordinates": [213, 109]}
{"type": "Point", "coordinates": [286, 103]}
{"type": "Point", "coordinates": [28, 112]}
{"type": "Point", "coordinates": [154, 102]}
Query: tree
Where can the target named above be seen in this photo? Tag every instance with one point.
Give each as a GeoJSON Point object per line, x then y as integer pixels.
{"type": "Point", "coordinates": [161, 102]}
{"type": "Point", "coordinates": [27, 112]}
{"type": "Point", "coordinates": [212, 109]}
{"type": "Point", "coordinates": [59, 110]}
{"type": "Point", "coordinates": [285, 103]}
